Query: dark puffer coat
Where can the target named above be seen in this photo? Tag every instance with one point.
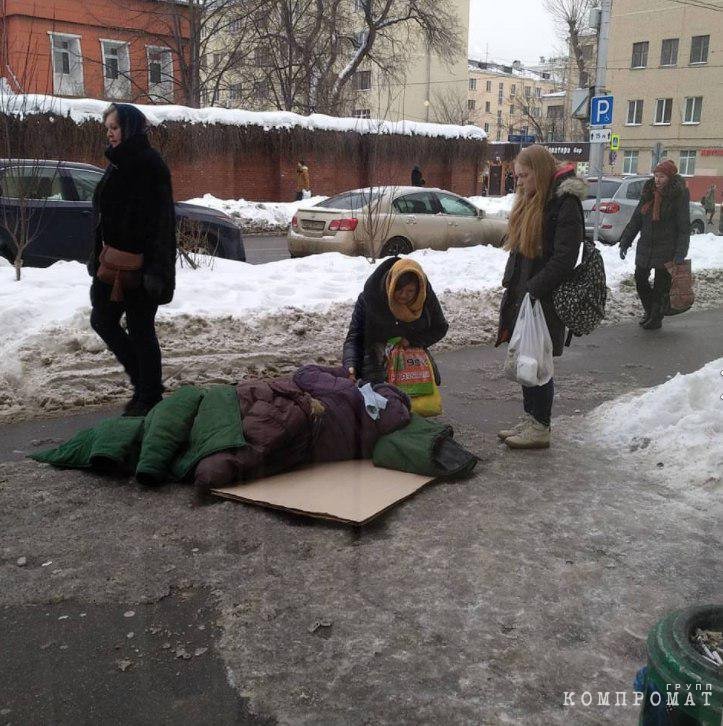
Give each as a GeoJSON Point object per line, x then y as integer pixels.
{"type": "Point", "coordinates": [134, 210]}
{"type": "Point", "coordinates": [282, 430]}
{"type": "Point", "coordinates": [373, 324]}
{"type": "Point", "coordinates": [562, 235]}
{"type": "Point", "coordinates": [667, 238]}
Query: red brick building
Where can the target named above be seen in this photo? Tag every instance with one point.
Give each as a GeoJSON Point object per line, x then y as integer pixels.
{"type": "Point", "coordinates": [117, 50]}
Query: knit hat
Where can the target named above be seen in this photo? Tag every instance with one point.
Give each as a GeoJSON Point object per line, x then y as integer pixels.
{"type": "Point", "coordinates": [667, 167]}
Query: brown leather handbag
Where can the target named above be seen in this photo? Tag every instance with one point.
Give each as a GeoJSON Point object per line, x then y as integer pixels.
{"type": "Point", "coordinates": [121, 270]}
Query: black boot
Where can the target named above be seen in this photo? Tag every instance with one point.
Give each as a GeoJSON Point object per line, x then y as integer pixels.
{"type": "Point", "coordinates": [645, 318]}
{"type": "Point", "coordinates": [655, 321]}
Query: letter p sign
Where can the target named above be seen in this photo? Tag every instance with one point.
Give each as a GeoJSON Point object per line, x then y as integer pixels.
{"type": "Point", "coordinates": [601, 111]}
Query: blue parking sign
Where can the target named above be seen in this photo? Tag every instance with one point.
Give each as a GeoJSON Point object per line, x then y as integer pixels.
{"type": "Point", "coordinates": [601, 111]}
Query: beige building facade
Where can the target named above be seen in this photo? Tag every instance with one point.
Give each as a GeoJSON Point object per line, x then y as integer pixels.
{"type": "Point", "coordinates": [665, 70]}
{"type": "Point", "coordinates": [506, 100]}
{"type": "Point", "coordinates": [428, 88]}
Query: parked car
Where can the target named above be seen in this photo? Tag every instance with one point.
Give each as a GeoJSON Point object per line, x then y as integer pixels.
{"type": "Point", "coordinates": [57, 199]}
{"type": "Point", "coordinates": [618, 198]}
{"type": "Point", "coordinates": [384, 221]}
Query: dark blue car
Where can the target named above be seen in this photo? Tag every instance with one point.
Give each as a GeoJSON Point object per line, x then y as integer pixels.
{"type": "Point", "coordinates": [55, 198]}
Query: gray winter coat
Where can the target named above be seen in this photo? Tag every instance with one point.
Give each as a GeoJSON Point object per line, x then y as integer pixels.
{"type": "Point", "coordinates": [667, 238]}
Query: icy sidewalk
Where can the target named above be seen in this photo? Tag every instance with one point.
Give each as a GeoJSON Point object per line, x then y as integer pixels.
{"type": "Point", "coordinates": [477, 601]}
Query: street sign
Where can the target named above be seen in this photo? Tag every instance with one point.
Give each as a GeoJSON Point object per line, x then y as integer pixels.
{"type": "Point", "coordinates": [615, 142]}
{"type": "Point", "coordinates": [600, 136]}
{"type": "Point", "coordinates": [601, 111]}
{"type": "Point", "coordinates": [520, 138]}
{"type": "Point", "coordinates": [569, 150]}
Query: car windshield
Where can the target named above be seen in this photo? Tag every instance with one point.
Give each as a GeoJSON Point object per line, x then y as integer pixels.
{"type": "Point", "coordinates": [608, 187]}
{"type": "Point", "coordinates": [351, 200]}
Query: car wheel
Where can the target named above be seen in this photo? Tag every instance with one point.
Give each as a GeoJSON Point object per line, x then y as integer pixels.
{"type": "Point", "coordinates": [697, 227]}
{"type": "Point", "coordinates": [396, 246]}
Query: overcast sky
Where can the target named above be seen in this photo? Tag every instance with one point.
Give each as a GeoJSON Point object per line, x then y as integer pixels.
{"type": "Point", "coordinates": [510, 30]}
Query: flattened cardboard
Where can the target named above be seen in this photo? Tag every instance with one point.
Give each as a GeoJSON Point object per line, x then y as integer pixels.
{"type": "Point", "coordinates": [345, 491]}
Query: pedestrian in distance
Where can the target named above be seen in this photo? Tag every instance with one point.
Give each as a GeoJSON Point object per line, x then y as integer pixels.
{"type": "Point", "coordinates": [544, 236]}
{"type": "Point", "coordinates": [708, 202]}
{"type": "Point", "coordinates": [133, 260]}
{"type": "Point", "coordinates": [662, 218]}
{"type": "Point", "coordinates": [510, 183]}
{"type": "Point", "coordinates": [417, 178]}
{"type": "Point", "coordinates": [303, 184]}
{"type": "Point", "coordinates": [397, 301]}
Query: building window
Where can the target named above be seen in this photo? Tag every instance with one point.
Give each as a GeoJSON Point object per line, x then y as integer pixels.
{"type": "Point", "coordinates": [535, 112]}
{"type": "Point", "coordinates": [235, 92]}
{"type": "Point", "coordinates": [687, 162]}
{"type": "Point", "coordinates": [488, 86]}
{"type": "Point", "coordinates": [360, 38]}
{"type": "Point", "coordinates": [471, 104]}
{"type": "Point", "coordinates": [361, 113]}
{"type": "Point", "coordinates": [635, 112]}
{"type": "Point", "coordinates": [498, 136]}
{"type": "Point", "coordinates": [487, 127]}
{"type": "Point", "coordinates": [669, 52]}
{"type": "Point", "coordinates": [630, 162]}
{"type": "Point", "coordinates": [663, 110]}
{"type": "Point", "coordinates": [236, 25]}
{"type": "Point", "coordinates": [116, 69]}
{"type": "Point", "coordinates": [699, 48]}
{"type": "Point", "coordinates": [528, 91]}
{"type": "Point", "coordinates": [693, 108]}
{"type": "Point", "coordinates": [260, 90]}
{"type": "Point", "coordinates": [587, 52]}
{"type": "Point", "coordinates": [362, 81]}
{"type": "Point", "coordinates": [640, 55]}
{"type": "Point", "coordinates": [487, 107]}
{"type": "Point", "coordinates": [555, 112]}
{"type": "Point", "coordinates": [160, 74]}
{"type": "Point", "coordinates": [513, 90]}
{"type": "Point", "coordinates": [472, 84]}
{"type": "Point", "coordinates": [512, 110]}
{"type": "Point", "coordinates": [538, 93]}
{"type": "Point", "coordinates": [67, 65]}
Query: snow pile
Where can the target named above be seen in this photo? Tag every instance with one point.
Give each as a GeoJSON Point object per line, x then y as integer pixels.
{"type": "Point", "coordinates": [674, 430]}
{"type": "Point", "coordinates": [231, 319]}
{"type": "Point", "coordinates": [256, 216]}
{"type": "Point", "coordinates": [91, 109]}
{"type": "Point", "coordinates": [499, 207]}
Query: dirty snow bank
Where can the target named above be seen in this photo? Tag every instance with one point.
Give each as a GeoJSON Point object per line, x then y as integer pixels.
{"type": "Point", "coordinates": [674, 430]}
{"type": "Point", "coordinates": [256, 216]}
{"type": "Point", "coordinates": [233, 320]}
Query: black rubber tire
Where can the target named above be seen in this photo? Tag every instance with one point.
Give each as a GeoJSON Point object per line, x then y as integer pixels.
{"type": "Point", "coordinates": [697, 227]}
{"type": "Point", "coordinates": [396, 246]}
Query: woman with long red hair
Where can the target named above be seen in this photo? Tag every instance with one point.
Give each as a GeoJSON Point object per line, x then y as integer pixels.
{"type": "Point", "coordinates": [544, 235]}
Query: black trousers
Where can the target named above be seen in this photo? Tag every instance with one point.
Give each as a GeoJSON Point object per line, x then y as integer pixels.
{"type": "Point", "coordinates": [537, 401]}
{"type": "Point", "coordinates": [654, 297]}
{"type": "Point", "coordinates": [135, 347]}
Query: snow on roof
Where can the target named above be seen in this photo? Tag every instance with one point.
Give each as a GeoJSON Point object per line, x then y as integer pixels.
{"type": "Point", "coordinates": [90, 109]}
{"type": "Point", "coordinates": [499, 69]}
{"type": "Point", "coordinates": [555, 94]}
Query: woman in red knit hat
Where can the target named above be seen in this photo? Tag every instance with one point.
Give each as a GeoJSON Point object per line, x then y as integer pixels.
{"type": "Point", "coordinates": [663, 219]}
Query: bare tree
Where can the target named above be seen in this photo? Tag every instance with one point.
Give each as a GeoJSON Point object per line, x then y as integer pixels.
{"type": "Point", "coordinates": [450, 107]}
{"type": "Point", "coordinates": [571, 18]}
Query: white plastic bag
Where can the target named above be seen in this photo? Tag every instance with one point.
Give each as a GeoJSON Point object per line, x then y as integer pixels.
{"type": "Point", "coordinates": [529, 356]}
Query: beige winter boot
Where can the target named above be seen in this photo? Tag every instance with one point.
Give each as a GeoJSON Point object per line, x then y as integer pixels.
{"type": "Point", "coordinates": [533, 436]}
{"type": "Point", "coordinates": [523, 423]}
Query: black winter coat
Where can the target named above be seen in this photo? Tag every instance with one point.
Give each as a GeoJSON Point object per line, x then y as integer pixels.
{"type": "Point", "coordinates": [667, 238]}
{"type": "Point", "coordinates": [372, 324]}
{"type": "Point", "coordinates": [562, 235]}
{"type": "Point", "coordinates": [134, 211]}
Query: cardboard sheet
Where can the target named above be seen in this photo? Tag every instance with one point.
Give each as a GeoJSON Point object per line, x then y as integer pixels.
{"type": "Point", "coordinates": [345, 491]}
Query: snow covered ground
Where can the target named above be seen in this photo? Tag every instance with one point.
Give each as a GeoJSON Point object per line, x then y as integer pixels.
{"type": "Point", "coordinates": [232, 319]}
{"type": "Point", "coordinates": [256, 216]}
{"type": "Point", "coordinates": [673, 431]}
{"type": "Point", "coordinates": [495, 206]}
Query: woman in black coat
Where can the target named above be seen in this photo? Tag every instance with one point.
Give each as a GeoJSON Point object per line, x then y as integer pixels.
{"type": "Point", "coordinates": [544, 236]}
{"type": "Point", "coordinates": [136, 225]}
{"type": "Point", "coordinates": [397, 301]}
{"type": "Point", "coordinates": [663, 219]}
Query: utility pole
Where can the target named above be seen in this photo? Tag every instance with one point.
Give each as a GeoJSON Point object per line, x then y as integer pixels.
{"type": "Point", "coordinates": [597, 152]}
